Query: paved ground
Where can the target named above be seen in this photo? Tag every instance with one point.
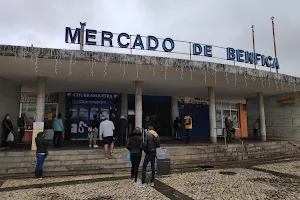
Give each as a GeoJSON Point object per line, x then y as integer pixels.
{"type": "Point", "coordinates": [278, 180]}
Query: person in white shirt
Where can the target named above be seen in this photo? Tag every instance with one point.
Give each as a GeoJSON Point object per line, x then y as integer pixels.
{"type": "Point", "coordinates": [106, 134]}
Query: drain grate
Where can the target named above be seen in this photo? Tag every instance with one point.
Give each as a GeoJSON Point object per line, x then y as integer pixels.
{"type": "Point", "coordinates": [228, 173]}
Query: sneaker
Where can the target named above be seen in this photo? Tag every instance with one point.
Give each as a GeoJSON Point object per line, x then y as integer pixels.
{"type": "Point", "coordinates": [141, 185]}
{"type": "Point", "coordinates": [96, 146]}
{"type": "Point", "coordinates": [137, 180]}
{"type": "Point", "coordinates": [112, 153]}
{"type": "Point", "coordinates": [152, 184]}
{"type": "Point", "coordinates": [105, 158]}
{"type": "Point", "coordinates": [90, 145]}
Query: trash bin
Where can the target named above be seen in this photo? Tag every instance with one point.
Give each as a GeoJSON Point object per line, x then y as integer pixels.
{"type": "Point", "coordinates": [163, 161]}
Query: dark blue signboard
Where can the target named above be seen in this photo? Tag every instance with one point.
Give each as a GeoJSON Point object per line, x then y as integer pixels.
{"type": "Point", "coordinates": [83, 106]}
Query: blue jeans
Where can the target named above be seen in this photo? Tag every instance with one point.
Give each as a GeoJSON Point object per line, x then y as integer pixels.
{"type": "Point", "coordinates": [148, 158]}
{"type": "Point", "coordinates": [40, 159]}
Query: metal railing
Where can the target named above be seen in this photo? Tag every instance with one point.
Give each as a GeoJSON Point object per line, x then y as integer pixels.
{"type": "Point", "coordinates": [224, 130]}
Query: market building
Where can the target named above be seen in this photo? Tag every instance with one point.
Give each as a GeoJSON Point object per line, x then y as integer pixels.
{"type": "Point", "coordinates": [43, 82]}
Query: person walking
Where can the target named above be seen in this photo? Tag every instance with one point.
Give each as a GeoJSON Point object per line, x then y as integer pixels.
{"type": "Point", "coordinates": [21, 126]}
{"type": "Point", "coordinates": [106, 134]}
{"type": "Point", "coordinates": [176, 127]}
{"type": "Point", "coordinates": [229, 128]}
{"type": "Point", "coordinates": [41, 154]}
{"type": "Point", "coordinates": [147, 122]}
{"type": "Point", "coordinates": [134, 145]}
{"type": "Point", "coordinates": [7, 127]}
{"type": "Point", "coordinates": [150, 144]}
{"type": "Point", "coordinates": [256, 127]}
{"type": "Point", "coordinates": [94, 132]}
{"type": "Point", "coordinates": [123, 124]}
{"type": "Point", "coordinates": [188, 123]}
{"type": "Point", "coordinates": [58, 128]}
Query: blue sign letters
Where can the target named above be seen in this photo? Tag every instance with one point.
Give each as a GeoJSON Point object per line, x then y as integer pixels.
{"type": "Point", "coordinates": [168, 45]}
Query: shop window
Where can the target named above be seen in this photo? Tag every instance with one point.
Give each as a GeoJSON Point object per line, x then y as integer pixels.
{"type": "Point", "coordinates": [218, 105]}
{"type": "Point", "coordinates": [50, 113]}
{"type": "Point", "coordinates": [235, 106]}
{"type": "Point", "coordinates": [244, 107]}
{"type": "Point", "coordinates": [227, 109]}
{"type": "Point", "coordinates": [235, 118]}
{"type": "Point", "coordinates": [225, 105]}
{"type": "Point", "coordinates": [83, 113]}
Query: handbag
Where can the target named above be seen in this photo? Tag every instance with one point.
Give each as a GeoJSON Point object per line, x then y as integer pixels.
{"type": "Point", "coordinates": [128, 157]}
{"type": "Point", "coordinates": [10, 137]}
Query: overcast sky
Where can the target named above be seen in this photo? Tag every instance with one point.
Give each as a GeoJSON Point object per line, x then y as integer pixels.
{"type": "Point", "coordinates": [217, 22]}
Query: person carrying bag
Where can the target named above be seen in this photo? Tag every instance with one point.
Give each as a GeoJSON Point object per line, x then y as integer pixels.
{"type": "Point", "coordinates": [8, 135]}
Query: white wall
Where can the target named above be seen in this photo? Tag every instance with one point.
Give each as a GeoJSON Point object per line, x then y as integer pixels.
{"type": "Point", "coordinates": [281, 122]}
{"type": "Point", "coordinates": [10, 94]}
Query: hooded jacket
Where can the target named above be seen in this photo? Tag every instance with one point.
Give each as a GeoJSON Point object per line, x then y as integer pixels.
{"type": "Point", "coordinates": [41, 146]}
{"type": "Point", "coordinates": [134, 143]}
{"type": "Point", "coordinates": [151, 142]}
{"type": "Point", "coordinates": [229, 124]}
{"type": "Point", "coordinates": [57, 124]}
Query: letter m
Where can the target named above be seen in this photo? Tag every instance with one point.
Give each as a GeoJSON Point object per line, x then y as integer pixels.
{"type": "Point", "coordinates": [74, 37]}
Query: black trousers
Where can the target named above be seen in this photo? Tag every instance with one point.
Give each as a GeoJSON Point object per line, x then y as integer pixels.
{"type": "Point", "coordinates": [135, 163]}
{"type": "Point", "coordinates": [188, 135]}
{"type": "Point", "coordinates": [122, 139]}
{"type": "Point", "coordinates": [21, 134]}
{"type": "Point", "coordinates": [57, 138]}
{"type": "Point", "coordinates": [177, 133]}
{"type": "Point", "coordinates": [255, 133]}
{"type": "Point", "coordinates": [4, 139]}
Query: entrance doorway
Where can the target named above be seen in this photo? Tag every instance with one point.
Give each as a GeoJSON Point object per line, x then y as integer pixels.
{"type": "Point", "coordinates": [200, 117]}
{"type": "Point", "coordinates": [158, 108]}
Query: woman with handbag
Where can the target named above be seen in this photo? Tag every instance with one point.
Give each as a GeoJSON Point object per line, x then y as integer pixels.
{"type": "Point", "coordinates": [7, 128]}
{"type": "Point", "coordinates": [134, 145]}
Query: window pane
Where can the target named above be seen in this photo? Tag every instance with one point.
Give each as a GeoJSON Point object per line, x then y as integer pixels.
{"type": "Point", "coordinates": [225, 105]}
{"type": "Point", "coordinates": [234, 106]}
{"type": "Point", "coordinates": [83, 113]}
{"type": "Point", "coordinates": [218, 105]}
{"type": "Point", "coordinates": [50, 113]}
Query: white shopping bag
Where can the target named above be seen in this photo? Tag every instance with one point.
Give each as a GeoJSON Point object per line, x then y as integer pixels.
{"type": "Point", "coordinates": [10, 137]}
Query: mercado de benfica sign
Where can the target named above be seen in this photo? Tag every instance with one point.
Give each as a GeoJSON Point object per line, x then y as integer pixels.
{"type": "Point", "coordinates": [124, 40]}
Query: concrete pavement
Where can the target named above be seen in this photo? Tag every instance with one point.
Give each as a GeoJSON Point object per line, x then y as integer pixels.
{"type": "Point", "coordinates": [277, 180]}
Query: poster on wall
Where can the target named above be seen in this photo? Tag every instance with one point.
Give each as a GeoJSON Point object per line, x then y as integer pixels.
{"type": "Point", "coordinates": [37, 127]}
{"type": "Point", "coordinates": [104, 113]}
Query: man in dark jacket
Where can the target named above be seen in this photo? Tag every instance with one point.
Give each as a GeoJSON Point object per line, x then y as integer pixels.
{"type": "Point", "coordinates": [41, 154]}
{"type": "Point", "coordinates": [123, 124]}
{"type": "Point", "coordinates": [229, 128]}
{"type": "Point", "coordinates": [21, 125]}
{"type": "Point", "coordinates": [147, 123]}
{"type": "Point", "coordinates": [176, 127]}
{"type": "Point", "coordinates": [151, 143]}
{"type": "Point", "coordinates": [134, 145]}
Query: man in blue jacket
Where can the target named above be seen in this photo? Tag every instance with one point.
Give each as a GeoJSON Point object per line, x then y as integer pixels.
{"type": "Point", "coordinates": [151, 142]}
{"type": "Point", "coordinates": [58, 128]}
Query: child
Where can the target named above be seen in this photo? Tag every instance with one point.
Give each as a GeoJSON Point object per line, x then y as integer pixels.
{"type": "Point", "coordinates": [134, 144]}
{"type": "Point", "coordinates": [41, 154]}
